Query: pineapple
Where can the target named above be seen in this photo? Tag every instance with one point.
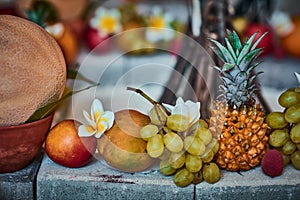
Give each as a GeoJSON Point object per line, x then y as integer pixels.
{"type": "Point", "coordinates": [236, 119]}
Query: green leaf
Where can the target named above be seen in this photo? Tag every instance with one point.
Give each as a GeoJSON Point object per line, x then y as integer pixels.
{"type": "Point", "coordinates": [249, 58]}
{"type": "Point", "coordinates": [230, 48]}
{"type": "Point", "coordinates": [245, 49]}
{"type": "Point", "coordinates": [227, 67]}
{"type": "Point", "coordinates": [49, 108]}
{"type": "Point", "coordinates": [224, 51]}
{"type": "Point", "coordinates": [42, 12]}
{"type": "Point", "coordinates": [72, 74]}
{"type": "Point", "coordinates": [218, 53]}
{"type": "Point", "coordinates": [234, 40]}
{"type": "Point", "coordinates": [258, 41]}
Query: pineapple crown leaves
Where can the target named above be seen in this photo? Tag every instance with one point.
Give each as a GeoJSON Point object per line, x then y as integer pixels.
{"type": "Point", "coordinates": [237, 73]}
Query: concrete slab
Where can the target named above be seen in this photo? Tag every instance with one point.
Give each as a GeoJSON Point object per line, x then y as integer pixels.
{"type": "Point", "coordinates": [97, 181]}
{"type": "Point", "coordinates": [20, 184]}
{"type": "Point", "coordinates": [252, 184]}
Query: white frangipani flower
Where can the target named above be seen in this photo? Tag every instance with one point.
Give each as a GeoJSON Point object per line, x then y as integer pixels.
{"type": "Point", "coordinates": [189, 109]}
{"type": "Point", "coordinates": [159, 26]}
{"type": "Point", "coordinates": [98, 121]}
{"type": "Point", "coordinates": [107, 21]}
{"type": "Point", "coordinates": [282, 23]}
{"type": "Point", "coordinates": [297, 76]}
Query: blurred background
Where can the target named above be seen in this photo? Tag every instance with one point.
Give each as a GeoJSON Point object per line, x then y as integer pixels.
{"type": "Point", "coordinates": [79, 26]}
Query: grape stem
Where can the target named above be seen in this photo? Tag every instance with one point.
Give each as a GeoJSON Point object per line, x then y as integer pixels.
{"type": "Point", "coordinates": [143, 94]}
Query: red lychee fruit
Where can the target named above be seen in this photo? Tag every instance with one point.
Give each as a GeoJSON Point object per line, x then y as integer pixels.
{"type": "Point", "coordinates": [272, 163]}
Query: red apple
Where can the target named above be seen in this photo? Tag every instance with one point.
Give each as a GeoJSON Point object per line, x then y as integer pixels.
{"type": "Point", "coordinates": [95, 40]}
{"type": "Point", "coordinates": [64, 146]}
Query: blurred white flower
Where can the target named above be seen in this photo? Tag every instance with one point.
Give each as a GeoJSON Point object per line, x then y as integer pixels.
{"type": "Point", "coordinates": [188, 109]}
{"type": "Point", "coordinates": [159, 26]}
{"type": "Point", "coordinates": [106, 21]}
{"type": "Point", "coordinates": [281, 23]}
{"type": "Point", "coordinates": [98, 121]}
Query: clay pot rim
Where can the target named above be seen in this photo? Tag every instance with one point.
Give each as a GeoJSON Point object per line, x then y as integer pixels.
{"type": "Point", "coordinates": [25, 125]}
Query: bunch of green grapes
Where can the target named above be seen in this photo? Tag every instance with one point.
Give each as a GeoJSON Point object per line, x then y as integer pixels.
{"type": "Point", "coordinates": [185, 152]}
{"type": "Point", "coordinates": [285, 127]}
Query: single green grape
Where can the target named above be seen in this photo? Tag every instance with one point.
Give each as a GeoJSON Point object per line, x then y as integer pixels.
{"type": "Point", "coordinates": [194, 145]}
{"type": "Point", "coordinates": [276, 120]}
{"type": "Point", "coordinates": [208, 156]}
{"type": "Point", "coordinates": [198, 177]}
{"type": "Point", "coordinates": [155, 146]}
{"type": "Point", "coordinates": [211, 172]}
{"type": "Point", "coordinates": [148, 131]}
{"type": "Point", "coordinates": [165, 168]}
{"type": "Point", "coordinates": [158, 115]}
{"type": "Point", "coordinates": [165, 155]}
{"type": "Point", "coordinates": [292, 114]}
{"type": "Point", "coordinates": [202, 123]}
{"type": "Point", "coordinates": [177, 122]}
{"type": "Point", "coordinates": [173, 142]}
{"type": "Point", "coordinates": [183, 177]}
{"type": "Point", "coordinates": [295, 133]}
{"type": "Point", "coordinates": [213, 145]}
{"type": "Point", "coordinates": [204, 134]}
{"type": "Point", "coordinates": [177, 160]}
{"type": "Point", "coordinates": [286, 158]}
{"type": "Point", "coordinates": [193, 163]}
{"type": "Point", "coordinates": [289, 98]}
{"type": "Point", "coordinates": [279, 137]}
{"type": "Point", "coordinates": [298, 146]}
{"type": "Point", "coordinates": [289, 147]}
{"type": "Point", "coordinates": [295, 159]}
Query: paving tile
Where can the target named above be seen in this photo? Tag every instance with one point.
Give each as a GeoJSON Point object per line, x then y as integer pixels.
{"type": "Point", "coordinates": [97, 181]}
{"type": "Point", "coordinates": [20, 184]}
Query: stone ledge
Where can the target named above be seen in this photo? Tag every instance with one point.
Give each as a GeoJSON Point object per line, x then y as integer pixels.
{"type": "Point", "coordinates": [97, 181]}
{"type": "Point", "coordinates": [20, 184]}
{"type": "Point", "coordinates": [252, 184]}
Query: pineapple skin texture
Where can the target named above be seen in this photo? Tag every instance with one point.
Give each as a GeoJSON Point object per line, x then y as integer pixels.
{"type": "Point", "coordinates": [242, 135]}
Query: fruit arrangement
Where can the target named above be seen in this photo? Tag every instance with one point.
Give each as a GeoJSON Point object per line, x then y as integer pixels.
{"type": "Point", "coordinates": [181, 141]}
{"type": "Point", "coordinates": [236, 119]}
{"type": "Point", "coordinates": [285, 127]}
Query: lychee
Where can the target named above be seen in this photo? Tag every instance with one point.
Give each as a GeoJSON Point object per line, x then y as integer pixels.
{"type": "Point", "coordinates": [272, 163]}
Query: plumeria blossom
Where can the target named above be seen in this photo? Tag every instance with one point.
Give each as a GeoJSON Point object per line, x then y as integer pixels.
{"type": "Point", "coordinates": [106, 21]}
{"type": "Point", "coordinates": [98, 121]}
{"type": "Point", "coordinates": [298, 79]}
{"type": "Point", "coordinates": [159, 26]}
{"type": "Point", "coordinates": [188, 109]}
{"type": "Point", "coordinates": [282, 23]}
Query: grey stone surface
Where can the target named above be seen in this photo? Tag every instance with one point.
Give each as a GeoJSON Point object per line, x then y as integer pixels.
{"type": "Point", "coordinates": [97, 181]}
{"type": "Point", "coordinates": [252, 184]}
{"type": "Point", "coordinates": [20, 184]}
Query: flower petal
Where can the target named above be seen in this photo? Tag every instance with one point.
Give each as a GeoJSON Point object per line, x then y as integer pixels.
{"type": "Point", "coordinates": [194, 111]}
{"type": "Point", "coordinates": [89, 119]}
{"type": "Point", "coordinates": [86, 131]}
{"type": "Point", "coordinates": [96, 110]}
{"type": "Point", "coordinates": [181, 108]}
{"type": "Point", "coordinates": [101, 128]}
{"type": "Point", "coordinates": [109, 117]}
{"type": "Point", "coordinates": [168, 107]}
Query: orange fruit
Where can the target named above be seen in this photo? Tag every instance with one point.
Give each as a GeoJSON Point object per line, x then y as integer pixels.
{"type": "Point", "coordinates": [66, 39]}
{"type": "Point", "coordinates": [121, 146]}
{"type": "Point", "coordinates": [291, 42]}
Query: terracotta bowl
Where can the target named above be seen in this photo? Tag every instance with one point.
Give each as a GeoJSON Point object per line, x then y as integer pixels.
{"type": "Point", "coordinates": [20, 144]}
